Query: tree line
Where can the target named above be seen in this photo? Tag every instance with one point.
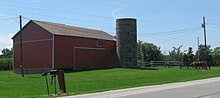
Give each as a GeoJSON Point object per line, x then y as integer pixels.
{"type": "Point", "coordinates": [147, 52]}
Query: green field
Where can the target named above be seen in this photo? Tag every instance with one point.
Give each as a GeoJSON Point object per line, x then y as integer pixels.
{"type": "Point", "coordinates": [13, 85]}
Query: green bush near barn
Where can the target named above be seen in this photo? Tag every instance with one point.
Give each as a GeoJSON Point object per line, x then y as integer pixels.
{"type": "Point", "coordinates": [6, 63]}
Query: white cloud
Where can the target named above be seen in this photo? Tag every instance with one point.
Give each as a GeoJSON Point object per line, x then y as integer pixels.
{"type": "Point", "coordinates": [6, 41]}
{"type": "Point", "coordinates": [116, 11]}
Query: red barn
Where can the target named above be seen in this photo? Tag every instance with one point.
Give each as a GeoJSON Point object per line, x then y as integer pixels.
{"type": "Point", "coordinates": [49, 45]}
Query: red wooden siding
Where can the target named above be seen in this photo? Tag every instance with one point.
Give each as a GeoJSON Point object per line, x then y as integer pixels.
{"type": "Point", "coordinates": [36, 47]}
{"type": "Point", "coordinates": [64, 53]}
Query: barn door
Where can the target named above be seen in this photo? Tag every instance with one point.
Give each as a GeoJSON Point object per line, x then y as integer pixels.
{"type": "Point", "coordinates": [87, 58]}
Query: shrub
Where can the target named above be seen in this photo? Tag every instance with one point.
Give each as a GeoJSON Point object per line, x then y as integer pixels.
{"type": "Point", "coordinates": [5, 63]}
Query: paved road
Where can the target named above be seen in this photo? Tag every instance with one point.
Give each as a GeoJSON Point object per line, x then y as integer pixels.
{"type": "Point", "coordinates": [207, 88]}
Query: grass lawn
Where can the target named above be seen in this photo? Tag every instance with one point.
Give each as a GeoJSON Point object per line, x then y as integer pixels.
{"type": "Point", "coordinates": [13, 85]}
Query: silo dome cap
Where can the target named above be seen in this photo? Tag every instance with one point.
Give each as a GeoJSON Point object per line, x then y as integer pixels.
{"type": "Point", "coordinates": [126, 19]}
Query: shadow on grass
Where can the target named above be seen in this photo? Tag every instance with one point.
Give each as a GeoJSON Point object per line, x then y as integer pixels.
{"type": "Point", "coordinates": [83, 70]}
{"type": "Point", "coordinates": [145, 68]}
{"type": "Point", "coordinates": [31, 76]}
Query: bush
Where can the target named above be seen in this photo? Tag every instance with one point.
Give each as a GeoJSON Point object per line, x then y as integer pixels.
{"type": "Point", "coordinates": [5, 63]}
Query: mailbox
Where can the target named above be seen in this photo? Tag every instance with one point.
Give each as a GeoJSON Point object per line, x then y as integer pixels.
{"type": "Point", "coordinates": [61, 80]}
{"type": "Point", "coordinates": [44, 74]}
{"type": "Point", "coordinates": [54, 72]}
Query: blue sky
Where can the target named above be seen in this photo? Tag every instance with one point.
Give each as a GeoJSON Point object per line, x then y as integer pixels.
{"type": "Point", "coordinates": [156, 18]}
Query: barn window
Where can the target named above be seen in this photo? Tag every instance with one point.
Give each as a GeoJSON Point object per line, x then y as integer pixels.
{"type": "Point", "coordinates": [99, 42]}
{"type": "Point", "coordinates": [33, 27]}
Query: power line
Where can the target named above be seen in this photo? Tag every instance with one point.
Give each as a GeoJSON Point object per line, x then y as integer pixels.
{"type": "Point", "coordinates": [177, 37]}
{"type": "Point", "coordinates": [62, 10]}
{"type": "Point", "coordinates": [71, 12]}
{"type": "Point", "coordinates": [174, 31]}
{"type": "Point", "coordinates": [165, 22]}
{"type": "Point", "coordinates": [212, 23]}
{"type": "Point", "coordinates": [79, 20]}
{"type": "Point", "coordinates": [169, 41]}
{"type": "Point", "coordinates": [26, 18]}
{"type": "Point", "coordinates": [185, 32]}
{"type": "Point", "coordinates": [62, 18]}
{"type": "Point", "coordinates": [8, 18]}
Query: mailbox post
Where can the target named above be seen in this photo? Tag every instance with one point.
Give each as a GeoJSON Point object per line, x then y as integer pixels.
{"type": "Point", "coordinates": [61, 81]}
{"type": "Point", "coordinates": [53, 74]}
{"type": "Point", "coordinates": [45, 74]}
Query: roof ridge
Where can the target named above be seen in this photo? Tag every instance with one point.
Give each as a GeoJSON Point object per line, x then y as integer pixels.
{"type": "Point", "coordinates": [55, 23]}
{"type": "Point", "coordinates": [68, 30]}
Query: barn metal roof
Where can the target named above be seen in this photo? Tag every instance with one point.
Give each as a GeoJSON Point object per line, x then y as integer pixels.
{"type": "Point", "coordinates": [66, 30]}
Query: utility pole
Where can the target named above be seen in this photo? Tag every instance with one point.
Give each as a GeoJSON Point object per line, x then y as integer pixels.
{"type": "Point", "coordinates": [204, 30]}
{"type": "Point", "coordinates": [21, 48]}
{"type": "Point", "coordinates": [198, 49]}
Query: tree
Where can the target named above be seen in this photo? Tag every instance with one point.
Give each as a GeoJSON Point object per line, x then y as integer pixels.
{"type": "Point", "coordinates": [139, 51]}
{"type": "Point", "coordinates": [176, 54]}
{"type": "Point", "coordinates": [151, 52]}
{"type": "Point", "coordinates": [204, 55]}
{"type": "Point", "coordinates": [7, 61]}
{"type": "Point", "coordinates": [185, 59]}
{"type": "Point", "coordinates": [216, 56]}
{"type": "Point", "coordinates": [190, 55]}
{"type": "Point", "coordinates": [147, 52]}
{"type": "Point", "coordinates": [7, 53]}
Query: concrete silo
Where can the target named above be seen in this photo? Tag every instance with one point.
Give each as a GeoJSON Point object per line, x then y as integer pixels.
{"type": "Point", "coordinates": [126, 32]}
